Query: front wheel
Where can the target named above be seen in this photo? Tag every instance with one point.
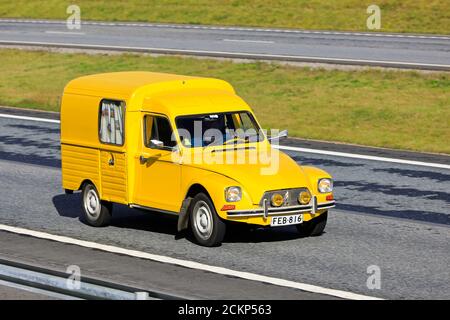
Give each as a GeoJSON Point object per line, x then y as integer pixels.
{"type": "Point", "coordinates": [314, 227]}
{"type": "Point", "coordinates": [97, 213]}
{"type": "Point", "coordinates": [208, 229]}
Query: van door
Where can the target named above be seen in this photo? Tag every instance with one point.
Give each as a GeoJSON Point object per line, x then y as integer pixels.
{"type": "Point", "coordinates": [112, 163]}
{"type": "Point", "coordinates": [114, 177]}
{"type": "Point", "coordinates": [158, 177]}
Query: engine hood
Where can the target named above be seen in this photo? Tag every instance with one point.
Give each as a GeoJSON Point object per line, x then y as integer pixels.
{"type": "Point", "coordinates": [276, 171]}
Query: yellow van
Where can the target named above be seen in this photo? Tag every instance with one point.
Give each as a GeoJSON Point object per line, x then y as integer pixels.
{"type": "Point", "coordinates": [181, 145]}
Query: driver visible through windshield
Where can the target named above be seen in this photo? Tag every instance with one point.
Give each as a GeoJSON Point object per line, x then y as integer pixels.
{"type": "Point", "coordinates": [218, 129]}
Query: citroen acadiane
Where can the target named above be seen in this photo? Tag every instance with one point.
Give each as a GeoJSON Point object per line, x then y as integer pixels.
{"type": "Point", "coordinates": [182, 145]}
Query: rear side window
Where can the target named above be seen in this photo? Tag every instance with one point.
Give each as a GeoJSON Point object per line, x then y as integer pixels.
{"type": "Point", "coordinates": [111, 122]}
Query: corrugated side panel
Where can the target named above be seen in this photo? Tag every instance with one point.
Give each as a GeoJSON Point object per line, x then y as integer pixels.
{"type": "Point", "coordinates": [79, 164]}
{"type": "Point", "coordinates": [114, 177]}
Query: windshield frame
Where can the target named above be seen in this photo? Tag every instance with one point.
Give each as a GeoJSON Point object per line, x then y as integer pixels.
{"type": "Point", "coordinates": [262, 136]}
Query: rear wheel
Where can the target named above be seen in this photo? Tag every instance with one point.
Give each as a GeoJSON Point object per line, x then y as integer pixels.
{"type": "Point", "coordinates": [97, 213]}
{"type": "Point", "coordinates": [208, 229]}
{"type": "Point", "coordinates": [314, 227]}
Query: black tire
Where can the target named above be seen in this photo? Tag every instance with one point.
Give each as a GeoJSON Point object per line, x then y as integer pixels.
{"type": "Point", "coordinates": [314, 227]}
{"type": "Point", "coordinates": [206, 226]}
{"type": "Point", "coordinates": [96, 212]}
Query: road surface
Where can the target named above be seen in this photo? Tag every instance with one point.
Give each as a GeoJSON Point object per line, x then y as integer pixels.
{"type": "Point", "coordinates": [375, 49]}
{"type": "Point", "coordinates": [394, 216]}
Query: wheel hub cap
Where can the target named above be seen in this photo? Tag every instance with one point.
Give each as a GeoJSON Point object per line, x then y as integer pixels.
{"type": "Point", "coordinates": [203, 220]}
{"type": "Point", "coordinates": [92, 203]}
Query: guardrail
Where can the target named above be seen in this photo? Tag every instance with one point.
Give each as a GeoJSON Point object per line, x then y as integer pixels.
{"type": "Point", "coordinates": [53, 281]}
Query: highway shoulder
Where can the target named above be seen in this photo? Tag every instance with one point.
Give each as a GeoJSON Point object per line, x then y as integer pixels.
{"type": "Point", "coordinates": [145, 274]}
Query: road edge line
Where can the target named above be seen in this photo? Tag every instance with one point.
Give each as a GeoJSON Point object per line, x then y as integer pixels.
{"type": "Point", "coordinates": [364, 157]}
{"type": "Point", "coordinates": [11, 116]}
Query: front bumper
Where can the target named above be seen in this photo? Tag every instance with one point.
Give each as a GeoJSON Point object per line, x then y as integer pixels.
{"type": "Point", "coordinates": [313, 207]}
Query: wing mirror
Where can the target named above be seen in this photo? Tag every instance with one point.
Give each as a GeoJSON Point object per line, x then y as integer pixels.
{"type": "Point", "coordinates": [281, 135]}
{"type": "Point", "coordinates": [156, 143]}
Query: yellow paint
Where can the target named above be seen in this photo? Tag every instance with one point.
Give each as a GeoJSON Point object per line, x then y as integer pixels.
{"type": "Point", "coordinates": [78, 164]}
{"type": "Point", "coordinates": [159, 182]}
{"type": "Point", "coordinates": [113, 176]}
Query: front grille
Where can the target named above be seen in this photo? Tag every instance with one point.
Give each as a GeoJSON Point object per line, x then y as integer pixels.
{"type": "Point", "coordinates": [291, 195]}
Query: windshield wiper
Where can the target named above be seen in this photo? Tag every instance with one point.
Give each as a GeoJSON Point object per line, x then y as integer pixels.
{"type": "Point", "coordinates": [235, 139]}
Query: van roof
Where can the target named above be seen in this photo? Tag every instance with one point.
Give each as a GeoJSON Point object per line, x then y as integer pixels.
{"type": "Point", "coordinates": [127, 83]}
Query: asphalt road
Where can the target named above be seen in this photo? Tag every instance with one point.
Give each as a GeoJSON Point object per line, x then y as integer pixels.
{"type": "Point", "coordinates": [144, 275]}
{"type": "Point", "coordinates": [394, 50]}
{"type": "Point", "coordinates": [393, 216]}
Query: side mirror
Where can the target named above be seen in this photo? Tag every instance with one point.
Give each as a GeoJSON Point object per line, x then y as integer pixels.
{"type": "Point", "coordinates": [281, 135]}
{"type": "Point", "coordinates": [156, 143]}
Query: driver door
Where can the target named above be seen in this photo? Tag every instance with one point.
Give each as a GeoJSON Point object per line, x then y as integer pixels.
{"type": "Point", "coordinates": [158, 177]}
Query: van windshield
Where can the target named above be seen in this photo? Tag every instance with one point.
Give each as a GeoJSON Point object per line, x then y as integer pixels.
{"type": "Point", "coordinates": [218, 129]}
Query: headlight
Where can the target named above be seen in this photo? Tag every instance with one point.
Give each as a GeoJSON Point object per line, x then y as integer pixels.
{"type": "Point", "coordinates": [304, 197]}
{"type": "Point", "coordinates": [325, 185]}
{"type": "Point", "coordinates": [277, 200]}
{"type": "Point", "coordinates": [233, 194]}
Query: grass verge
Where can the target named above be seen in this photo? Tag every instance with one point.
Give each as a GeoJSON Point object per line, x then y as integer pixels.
{"type": "Point", "coordinates": [422, 16]}
{"type": "Point", "coordinates": [395, 109]}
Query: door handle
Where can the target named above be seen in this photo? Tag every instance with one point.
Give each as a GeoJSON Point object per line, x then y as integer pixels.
{"type": "Point", "coordinates": [143, 159]}
{"type": "Point", "coordinates": [111, 160]}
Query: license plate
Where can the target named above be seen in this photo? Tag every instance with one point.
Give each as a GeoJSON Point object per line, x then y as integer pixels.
{"type": "Point", "coordinates": [286, 220]}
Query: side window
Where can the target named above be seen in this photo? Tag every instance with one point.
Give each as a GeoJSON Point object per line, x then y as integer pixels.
{"type": "Point", "coordinates": [111, 122]}
{"type": "Point", "coordinates": [246, 121]}
{"type": "Point", "coordinates": [158, 132]}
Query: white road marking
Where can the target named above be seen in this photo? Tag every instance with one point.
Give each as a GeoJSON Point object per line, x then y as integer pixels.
{"type": "Point", "coordinates": [244, 40]}
{"type": "Point", "coordinates": [10, 116]}
{"type": "Point", "coordinates": [288, 148]}
{"type": "Point", "coordinates": [189, 264]}
{"type": "Point", "coordinates": [175, 26]}
{"type": "Point", "coordinates": [365, 157]}
{"type": "Point", "coordinates": [65, 32]}
{"type": "Point", "coordinates": [241, 55]}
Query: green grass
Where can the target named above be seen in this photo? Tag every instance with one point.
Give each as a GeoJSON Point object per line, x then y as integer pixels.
{"type": "Point", "coordinates": [423, 16]}
{"type": "Point", "coordinates": [396, 109]}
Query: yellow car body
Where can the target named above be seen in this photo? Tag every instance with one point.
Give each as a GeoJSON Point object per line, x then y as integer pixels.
{"type": "Point", "coordinates": [132, 173]}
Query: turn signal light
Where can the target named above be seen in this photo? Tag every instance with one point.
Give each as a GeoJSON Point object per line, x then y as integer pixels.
{"type": "Point", "coordinates": [228, 207]}
{"type": "Point", "coordinates": [329, 197]}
